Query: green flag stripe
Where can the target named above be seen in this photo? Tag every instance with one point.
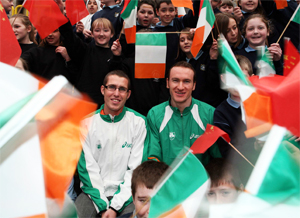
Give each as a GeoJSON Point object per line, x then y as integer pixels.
{"type": "Point", "coordinates": [296, 15]}
{"type": "Point", "coordinates": [151, 39]}
{"type": "Point", "coordinates": [126, 13]}
{"type": "Point", "coordinates": [210, 16]}
{"type": "Point", "coordinates": [176, 189]}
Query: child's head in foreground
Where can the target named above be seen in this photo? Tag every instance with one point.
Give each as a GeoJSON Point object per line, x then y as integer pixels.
{"type": "Point", "coordinates": [225, 182]}
{"type": "Point", "coordinates": [143, 180]}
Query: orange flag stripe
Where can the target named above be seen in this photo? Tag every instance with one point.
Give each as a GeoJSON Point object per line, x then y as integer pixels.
{"type": "Point", "coordinates": [150, 70]}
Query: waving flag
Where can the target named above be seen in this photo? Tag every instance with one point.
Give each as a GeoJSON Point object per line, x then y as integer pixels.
{"type": "Point", "coordinates": [183, 3]}
{"type": "Point", "coordinates": [10, 50]}
{"type": "Point", "coordinates": [204, 25]}
{"type": "Point", "coordinates": [181, 11]}
{"type": "Point", "coordinates": [45, 126]}
{"type": "Point", "coordinates": [153, 64]}
{"type": "Point", "coordinates": [129, 17]}
{"type": "Point", "coordinates": [291, 57]}
{"type": "Point", "coordinates": [265, 66]}
{"type": "Point", "coordinates": [208, 138]}
{"type": "Point", "coordinates": [296, 15]}
{"type": "Point", "coordinates": [173, 197]}
{"type": "Point", "coordinates": [280, 4]}
{"type": "Point", "coordinates": [76, 10]}
{"type": "Point", "coordinates": [45, 15]}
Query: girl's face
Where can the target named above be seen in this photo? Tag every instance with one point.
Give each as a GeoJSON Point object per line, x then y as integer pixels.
{"type": "Point", "coordinates": [248, 5]}
{"type": "Point", "coordinates": [102, 35]}
{"type": "Point", "coordinates": [145, 15]}
{"type": "Point", "coordinates": [256, 32]}
{"type": "Point", "coordinates": [92, 7]}
{"type": "Point", "coordinates": [53, 38]}
{"type": "Point", "coordinates": [226, 8]}
{"type": "Point", "coordinates": [185, 42]}
{"type": "Point", "coordinates": [232, 32]}
{"type": "Point", "coordinates": [20, 30]}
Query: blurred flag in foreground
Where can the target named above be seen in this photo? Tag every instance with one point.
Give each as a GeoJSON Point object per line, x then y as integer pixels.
{"type": "Point", "coordinates": [173, 197]}
{"type": "Point", "coordinates": [291, 56]}
{"type": "Point", "coordinates": [129, 17]}
{"type": "Point", "coordinates": [273, 189]}
{"type": "Point", "coordinates": [42, 134]}
{"type": "Point", "coordinates": [76, 10]}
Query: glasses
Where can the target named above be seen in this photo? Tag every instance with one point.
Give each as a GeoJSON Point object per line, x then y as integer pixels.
{"type": "Point", "coordinates": [113, 88]}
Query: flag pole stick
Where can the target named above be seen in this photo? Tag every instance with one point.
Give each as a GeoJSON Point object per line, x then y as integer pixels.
{"type": "Point", "coordinates": [16, 16]}
{"type": "Point", "coordinates": [240, 154]}
{"type": "Point", "coordinates": [212, 34]}
{"type": "Point", "coordinates": [121, 31]}
{"type": "Point", "coordinates": [283, 31]}
{"type": "Point", "coordinates": [217, 28]}
{"type": "Point", "coordinates": [137, 211]}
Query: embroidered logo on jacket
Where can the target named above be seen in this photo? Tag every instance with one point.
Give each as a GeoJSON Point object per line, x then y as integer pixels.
{"type": "Point", "coordinates": [172, 135]}
{"type": "Point", "coordinates": [194, 136]}
{"type": "Point", "coordinates": [99, 146]}
{"type": "Point", "coordinates": [126, 145]}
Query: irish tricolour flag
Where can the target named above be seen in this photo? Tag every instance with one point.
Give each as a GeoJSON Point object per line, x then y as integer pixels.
{"type": "Point", "coordinates": [204, 25]}
{"type": "Point", "coordinates": [181, 190]}
{"type": "Point", "coordinates": [129, 17]}
{"type": "Point", "coordinates": [150, 55]}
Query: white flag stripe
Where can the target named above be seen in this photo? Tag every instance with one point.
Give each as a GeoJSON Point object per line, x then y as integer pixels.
{"type": "Point", "coordinates": [195, 199]}
{"type": "Point", "coordinates": [15, 85]}
{"type": "Point", "coordinates": [131, 20]}
{"type": "Point", "coordinates": [266, 156]}
{"type": "Point", "coordinates": [154, 54]}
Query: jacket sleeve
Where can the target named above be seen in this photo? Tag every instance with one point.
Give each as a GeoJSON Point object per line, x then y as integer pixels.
{"type": "Point", "coordinates": [88, 169]}
{"type": "Point", "coordinates": [154, 148]}
{"type": "Point", "coordinates": [122, 197]}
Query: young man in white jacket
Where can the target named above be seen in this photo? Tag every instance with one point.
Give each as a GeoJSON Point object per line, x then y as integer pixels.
{"type": "Point", "coordinates": [113, 141]}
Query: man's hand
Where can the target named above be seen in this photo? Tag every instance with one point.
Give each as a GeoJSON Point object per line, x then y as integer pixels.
{"type": "Point", "coordinates": [109, 214]}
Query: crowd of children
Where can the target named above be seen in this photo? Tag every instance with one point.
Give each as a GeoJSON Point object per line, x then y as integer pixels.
{"type": "Point", "coordinates": [96, 45]}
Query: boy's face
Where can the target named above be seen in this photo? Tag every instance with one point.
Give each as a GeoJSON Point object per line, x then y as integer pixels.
{"type": "Point", "coordinates": [222, 194]}
{"type": "Point", "coordinates": [141, 195]}
{"type": "Point", "coordinates": [167, 13]}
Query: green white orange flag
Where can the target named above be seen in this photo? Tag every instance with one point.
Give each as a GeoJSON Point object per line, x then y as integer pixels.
{"type": "Point", "coordinates": [129, 17]}
{"type": "Point", "coordinates": [45, 127]}
{"type": "Point", "coordinates": [275, 178]}
{"type": "Point", "coordinates": [296, 15]}
{"type": "Point", "coordinates": [181, 11]}
{"type": "Point", "coordinates": [150, 55]}
{"type": "Point", "coordinates": [204, 25]}
{"type": "Point", "coordinates": [173, 197]}
{"type": "Point", "coordinates": [265, 66]}
{"type": "Point", "coordinates": [229, 67]}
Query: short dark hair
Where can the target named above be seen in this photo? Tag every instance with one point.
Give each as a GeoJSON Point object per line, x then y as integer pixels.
{"type": "Point", "coordinates": [218, 169]}
{"type": "Point", "coordinates": [148, 2]}
{"type": "Point", "coordinates": [159, 2]}
{"type": "Point", "coordinates": [148, 174]}
{"type": "Point", "coordinates": [183, 64]}
{"type": "Point", "coordinates": [118, 73]}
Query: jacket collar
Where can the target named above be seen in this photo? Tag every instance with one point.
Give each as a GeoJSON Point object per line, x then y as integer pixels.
{"type": "Point", "coordinates": [112, 119]}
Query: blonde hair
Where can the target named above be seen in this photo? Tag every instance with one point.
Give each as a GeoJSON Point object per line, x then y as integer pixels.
{"type": "Point", "coordinates": [26, 22]}
{"type": "Point", "coordinates": [244, 63]}
{"type": "Point", "coordinates": [105, 22]}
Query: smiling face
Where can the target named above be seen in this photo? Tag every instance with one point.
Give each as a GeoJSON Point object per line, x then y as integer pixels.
{"type": "Point", "coordinates": [141, 195]}
{"type": "Point", "coordinates": [256, 32]}
{"type": "Point", "coordinates": [115, 100]}
{"type": "Point", "coordinates": [53, 38]}
{"type": "Point", "coordinates": [102, 34]}
{"type": "Point", "coordinates": [232, 32]}
{"type": "Point", "coordinates": [20, 30]}
{"type": "Point", "coordinates": [185, 42]}
{"type": "Point", "coordinates": [248, 5]}
{"type": "Point", "coordinates": [167, 13]}
{"type": "Point", "coordinates": [181, 85]}
{"type": "Point", "coordinates": [92, 6]}
{"type": "Point", "coordinates": [145, 15]}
